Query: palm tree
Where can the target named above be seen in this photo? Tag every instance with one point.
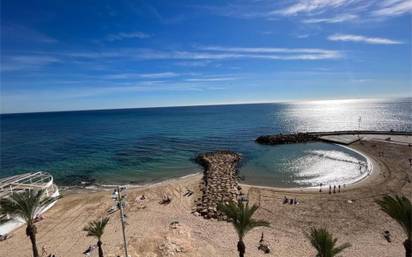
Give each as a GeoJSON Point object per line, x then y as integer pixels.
{"type": "Point", "coordinates": [241, 217]}
{"type": "Point", "coordinates": [399, 208]}
{"type": "Point", "coordinates": [26, 205]}
{"type": "Point", "coordinates": [96, 229]}
{"type": "Point", "coordinates": [324, 242]}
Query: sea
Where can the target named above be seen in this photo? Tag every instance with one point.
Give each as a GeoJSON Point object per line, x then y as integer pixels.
{"type": "Point", "coordinates": [147, 145]}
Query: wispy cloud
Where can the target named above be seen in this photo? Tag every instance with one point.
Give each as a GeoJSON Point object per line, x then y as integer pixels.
{"type": "Point", "coordinates": [315, 11]}
{"type": "Point", "coordinates": [128, 35]}
{"type": "Point", "coordinates": [211, 53]}
{"type": "Point", "coordinates": [159, 75]}
{"type": "Point", "coordinates": [195, 63]}
{"type": "Point", "coordinates": [394, 8]}
{"type": "Point", "coordinates": [18, 33]}
{"type": "Point", "coordinates": [211, 79]}
{"type": "Point", "coordinates": [26, 62]}
{"type": "Point", "coordinates": [307, 6]}
{"type": "Point", "coordinates": [363, 39]}
{"type": "Point", "coordinates": [278, 53]}
{"type": "Point", "coordinates": [335, 19]}
{"type": "Point", "coordinates": [194, 57]}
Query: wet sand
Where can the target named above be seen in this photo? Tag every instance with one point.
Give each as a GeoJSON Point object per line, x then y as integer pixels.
{"type": "Point", "coordinates": [351, 215]}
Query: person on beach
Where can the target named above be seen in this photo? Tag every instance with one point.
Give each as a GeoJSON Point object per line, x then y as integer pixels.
{"type": "Point", "coordinates": [334, 189]}
{"type": "Point", "coordinates": [89, 250]}
{"type": "Point", "coordinates": [320, 188]}
{"type": "Point", "coordinates": [263, 246]}
{"type": "Point", "coordinates": [165, 199]}
{"type": "Point", "coordinates": [330, 189]}
{"type": "Point", "coordinates": [43, 251]}
{"type": "Point", "coordinates": [339, 188]}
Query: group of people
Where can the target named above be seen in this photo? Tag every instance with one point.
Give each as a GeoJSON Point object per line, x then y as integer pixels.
{"type": "Point", "coordinates": [334, 189]}
{"type": "Point", "coordinates": [290, 201]}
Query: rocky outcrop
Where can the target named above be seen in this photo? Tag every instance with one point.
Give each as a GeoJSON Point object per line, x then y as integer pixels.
{"type": "Point", "coordinates": [287, 139]}
{"type": "Point", "coordinates": [220, 183]}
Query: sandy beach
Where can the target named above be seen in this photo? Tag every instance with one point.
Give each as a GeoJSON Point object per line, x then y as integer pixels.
{"type": "Point", "coordinates": [351, 215]}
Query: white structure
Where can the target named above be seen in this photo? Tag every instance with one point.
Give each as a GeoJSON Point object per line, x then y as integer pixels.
{"type": "Point", "coordinates": [18, 183]}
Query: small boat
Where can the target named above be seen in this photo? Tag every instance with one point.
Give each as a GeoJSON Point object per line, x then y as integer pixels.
{"type": "Point", "coordinates": [18, 183]}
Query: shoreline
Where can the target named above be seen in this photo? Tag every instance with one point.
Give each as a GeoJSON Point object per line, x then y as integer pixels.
{"type": "Point", "coordinates": [370, 176]}
{"type": "Point", "coordinates": [357, 183]}
{"type": "Point", "coordinates": [107, 187]}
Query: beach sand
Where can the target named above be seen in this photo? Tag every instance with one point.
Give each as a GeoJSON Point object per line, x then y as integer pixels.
{"type": "Point", "coordinates": [352, 216]}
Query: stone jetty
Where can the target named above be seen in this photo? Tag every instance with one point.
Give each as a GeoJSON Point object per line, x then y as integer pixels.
{"type": "Point", "coordinates": [304, 137]}
{"type": "Point", "coordinates": [287, 139]}
{"type": "Point", "coordinates": [220, 183]}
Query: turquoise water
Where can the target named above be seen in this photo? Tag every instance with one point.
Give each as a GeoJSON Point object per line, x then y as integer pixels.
{"type": "Point", "coordinates": [153, 144]}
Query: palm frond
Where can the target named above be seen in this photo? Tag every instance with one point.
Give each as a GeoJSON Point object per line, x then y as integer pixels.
{"type": "Point", "coordinates": [241, 217]}
{"type": "Point", "coordinates": [324, 243]}
{"type": "Point", "coordinates": [96, 228]}
{"type": "Point", "coordinates": [400, 209]}
{"type": "Point", "coordinates": [26, 204]}
{"type": "Point", "coordinates": [340, 248]}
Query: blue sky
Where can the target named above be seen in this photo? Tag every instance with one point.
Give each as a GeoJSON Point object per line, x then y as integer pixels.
{"type": "Point", "coordinates": [72, 55]}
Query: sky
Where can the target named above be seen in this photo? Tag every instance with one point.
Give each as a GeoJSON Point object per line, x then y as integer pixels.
{"type": "Point", "coordinates": [82, 54]}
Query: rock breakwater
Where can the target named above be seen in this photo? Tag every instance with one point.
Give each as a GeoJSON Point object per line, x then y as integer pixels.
{"type": "Point", "coordinates": [219, 184]}
{"type": "Point", "coordinates": [287, 139]}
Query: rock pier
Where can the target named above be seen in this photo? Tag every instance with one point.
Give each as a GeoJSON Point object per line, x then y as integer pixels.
{"type": "Point", "coordinates": [287, 139]}
{"type": "Point", "coordinates": [303, 137]}
{"type": "Point", "coordinates": [220, 183]}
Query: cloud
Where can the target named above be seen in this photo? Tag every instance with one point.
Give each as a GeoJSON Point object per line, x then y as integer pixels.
{"type": "Point", "coordinates": [315, 11]}
{"type": "Point", "coordinates": [394, 8]}
{"type": "Point", "coordinates": [211, 79]}
{"type": "Point", "coordinates": [363, 39]}
{"type": "Point", "coordinates": [247, 53]}
{"type": "Point", "coordinates": [189, 63]}
{"type": "Point", "coordinates": [26, 62]}
{"type": "Point", "coordinates": [18, 33]}
{"type": "Point", "coordinates": [159, 75]}
{"type": "Point", "coordinates": [129, 35]}
{"type": "Point", "coordinates": [277, 53]}
{"type": "Point", "coordinates": [336, 19]}
{"type": "Point", "coordinates": [265, 49]}
{"type": "Point", "coordinates": [194, 57]}
{"type": "Point", "coordinates": [307, 6]}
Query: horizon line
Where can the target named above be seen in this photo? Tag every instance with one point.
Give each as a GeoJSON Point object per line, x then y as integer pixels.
{"type": "Point", "coordinates": [212, 104]}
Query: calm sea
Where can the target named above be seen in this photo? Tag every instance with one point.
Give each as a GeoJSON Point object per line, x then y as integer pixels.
{"type": "Point", "coordinates": [153, 144]}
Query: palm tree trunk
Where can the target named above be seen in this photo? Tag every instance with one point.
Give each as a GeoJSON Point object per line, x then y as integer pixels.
{"type": "Point", "coordinates": [99, 244]}
{"type": "Point", "coordinates": [408, 247]}
{"type": "Point", "coordinates": [31, 232]}
{"type": "Point", "coordinates": [241, 247]}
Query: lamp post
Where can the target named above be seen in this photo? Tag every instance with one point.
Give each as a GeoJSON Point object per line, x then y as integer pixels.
{"type": "Point", "coordinates": [120, 206]}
